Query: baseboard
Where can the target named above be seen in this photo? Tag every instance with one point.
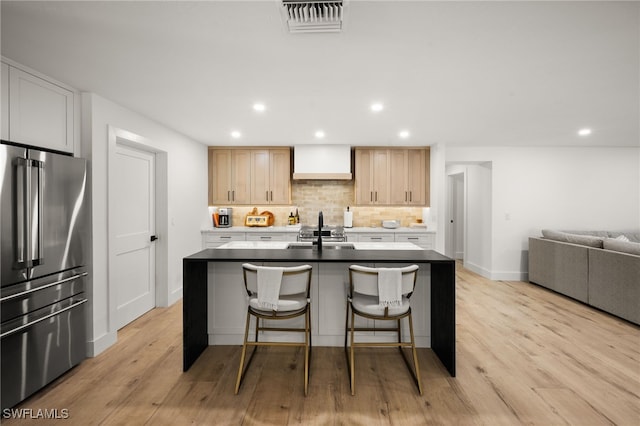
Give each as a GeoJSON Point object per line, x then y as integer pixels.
{"type": "Point", "coordinates": [175, 295]}
{"type": "Point", "coordinates": [510, 276]}
{"type": "Point", "coordinates": [497, 276]}
{"type": "Point", "coordinates": [477, 269]}
{"type": "Point", "coordinates": [97, 346]}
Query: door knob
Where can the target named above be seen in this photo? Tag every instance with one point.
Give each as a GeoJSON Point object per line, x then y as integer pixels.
{"type": "Point", "coordinates": [153, 238]}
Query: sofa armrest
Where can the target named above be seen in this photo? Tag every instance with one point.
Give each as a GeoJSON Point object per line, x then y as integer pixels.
{"type": "Point", "coordinates": [614, 283]}
{"type": "Point", "coordinates": [559, 266]}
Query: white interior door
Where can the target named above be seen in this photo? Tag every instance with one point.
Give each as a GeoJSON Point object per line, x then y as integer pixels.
{"type": "Point", "coordinates": [132, 271]}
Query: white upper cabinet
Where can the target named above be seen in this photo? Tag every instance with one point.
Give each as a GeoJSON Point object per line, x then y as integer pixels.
{"type": "Point", "coordinates": [4, 107]}
{"type": "Point", "coordinates": [40, 112]}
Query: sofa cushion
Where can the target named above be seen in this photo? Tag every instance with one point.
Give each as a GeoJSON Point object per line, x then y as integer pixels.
{"type": "Point", "coordinates": [585, 240]}
{"type": "Point", "coordinates": [614, 244]}
{"type": "Point", "coordinates": [554, 235]}
{"type": "Point", "coordinates": [601, 234]}
{"type": "Point", "coordinates": [633, 236]}
{"type": "Point", "coordinates": [566, 237]}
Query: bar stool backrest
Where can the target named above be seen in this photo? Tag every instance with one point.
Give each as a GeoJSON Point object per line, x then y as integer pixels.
{"type": "Point", "coordinates": [295, 279]}
{"type": "Point", "coordinates": [364, 279]}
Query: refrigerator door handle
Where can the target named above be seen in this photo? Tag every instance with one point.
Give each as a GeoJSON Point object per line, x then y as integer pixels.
{"type": "Point", "coordinates": [37, 214]}
{"type": "Point", "coordinates": [36, 321]}
{"type": "Point", "coordinates": [23, 195]}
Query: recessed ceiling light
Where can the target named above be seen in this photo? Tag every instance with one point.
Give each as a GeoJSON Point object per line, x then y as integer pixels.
{"type": "Point", "coordinates": [236, 134]}
{"type": "Point", "coordinates": [404, 134]}
{"type": "Point", "coordinates": [377, 107]}
{"type": "Point", "coordinates": [319, 134]}
{"type": "Point", "coordinates": [584, 132]}
{"type": "Point", "coordinates": [259, 106]}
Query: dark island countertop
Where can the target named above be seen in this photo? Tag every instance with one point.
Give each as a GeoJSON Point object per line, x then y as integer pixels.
{"type": "Point", "coordinates": [326, 255]}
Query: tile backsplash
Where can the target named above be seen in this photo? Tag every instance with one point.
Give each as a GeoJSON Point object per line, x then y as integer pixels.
{"type": "Point", "coordinates": [332, 197]}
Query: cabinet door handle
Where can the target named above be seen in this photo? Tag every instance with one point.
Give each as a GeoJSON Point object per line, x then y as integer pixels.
{"type": "Point", "coordinates": [376, 196]}
{"type": "Point", "coordinates": [410, 196]}
{"type": "Point", "coordinates": [271, 192]}
{"type": "Point", "coordinates": [405, 196]}
{"type": "Point", "coordinates": [228, 195]}
{"type": "Point", "coordinates": [371, 193]}
{"type": "Point", "coordinates": [233, 195]}
{"type": "Point", "coordinates": [265, 237]}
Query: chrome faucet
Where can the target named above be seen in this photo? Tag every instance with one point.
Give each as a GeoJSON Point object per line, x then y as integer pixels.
{"type": "Point", "coordinates": [318, 242]}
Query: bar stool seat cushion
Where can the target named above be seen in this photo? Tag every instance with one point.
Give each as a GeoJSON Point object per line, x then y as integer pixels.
{"type": "Point", "coordinates": [370, 305]}
{"type": "Point", "coordinates": [285, 304]}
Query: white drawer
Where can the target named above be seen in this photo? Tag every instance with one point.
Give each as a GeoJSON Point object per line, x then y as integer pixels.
{"type": "Point", "coordinates": [272, 236]}
{"type": "Point", "coordinates": [425, 241]}
{"type": "Point", "coordinates": [211, 240]}
{"type": "Point", "coordinates": [375, 238]}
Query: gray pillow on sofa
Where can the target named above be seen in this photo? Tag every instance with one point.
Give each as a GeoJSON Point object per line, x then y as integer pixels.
{"type": "Point", "coordinates": [554, 235]}
{"type": "Point", "coordinates": [584, 240]}
{"type": "Point", "coordinates": [632, 235]}
{"type": "Point", "coordinates": [622, 246]}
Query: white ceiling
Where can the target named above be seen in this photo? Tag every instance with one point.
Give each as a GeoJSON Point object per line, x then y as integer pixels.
{"type": "Point", "coordinates": [460, 73]}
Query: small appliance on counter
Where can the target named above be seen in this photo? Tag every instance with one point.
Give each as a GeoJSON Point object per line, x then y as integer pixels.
{"type": "Point", "coordinates": [348, 219]}
{"type": "Point", "coordinates": [224, 217]}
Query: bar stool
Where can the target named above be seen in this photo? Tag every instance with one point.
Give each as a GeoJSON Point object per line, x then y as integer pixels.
{"type": "Point", "coordinates": [380, 294]}
{"type": "Point", "coordinates": [276, 293]}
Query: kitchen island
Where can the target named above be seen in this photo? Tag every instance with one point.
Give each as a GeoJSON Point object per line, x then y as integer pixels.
{"type": "Point", "coordinates": [214, 308]}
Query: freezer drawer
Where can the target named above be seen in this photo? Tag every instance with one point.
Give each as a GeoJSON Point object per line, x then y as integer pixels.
{"type": "Point", "coordinates": [28, 296]}
{"type": "Point", "coordinates": [39, 347]}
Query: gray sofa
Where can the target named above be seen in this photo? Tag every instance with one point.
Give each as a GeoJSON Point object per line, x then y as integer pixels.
{"type": "Point", "coordinates": [599, 268]}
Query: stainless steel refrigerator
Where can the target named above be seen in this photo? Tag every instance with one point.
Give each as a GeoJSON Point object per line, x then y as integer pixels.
{"type": "Point", "coordinates": [43, 235]}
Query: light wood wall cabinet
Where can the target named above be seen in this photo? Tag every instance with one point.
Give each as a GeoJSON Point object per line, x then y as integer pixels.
{"type": "Point", "coordinates": [229, 176]}
{"type": "Point", "coordinates": [409, 176]}
{"type": "Point", "coordinates": [36, 111]}
{"type": "Point", "coordinates": [270, 176]}
{"type": "Point", "coordinates": [372, 176]}
{"type": "Point", "coordinates": [249, 176]}
{"type": "Point", "coordinates": [392, 176]}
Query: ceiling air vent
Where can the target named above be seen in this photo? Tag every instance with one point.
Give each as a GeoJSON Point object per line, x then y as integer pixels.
{"type": "Point", "coordinates": [313, 16]}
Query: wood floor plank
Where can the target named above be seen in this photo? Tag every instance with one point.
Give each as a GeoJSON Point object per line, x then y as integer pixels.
{"type": "Point", "coordinates": [525, 355]}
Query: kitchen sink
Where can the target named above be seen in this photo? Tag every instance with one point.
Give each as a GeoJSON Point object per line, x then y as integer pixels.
{"type": "Point", "coordinates": [325, 246]}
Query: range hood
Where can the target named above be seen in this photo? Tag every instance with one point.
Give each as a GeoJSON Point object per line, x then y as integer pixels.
{"type": "Point", "coordinates": [322, 162]}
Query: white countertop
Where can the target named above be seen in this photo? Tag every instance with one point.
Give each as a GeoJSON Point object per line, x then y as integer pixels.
{"type": "Point", "coordinates": [296, 228]}
{"type": "Point", "coordinates": [284, 244]}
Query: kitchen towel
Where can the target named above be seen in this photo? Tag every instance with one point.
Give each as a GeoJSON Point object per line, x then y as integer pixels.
{"type": "Point", "coordinates": [268, 281]}
{"type": "Point", "coordinates": [390, 287]}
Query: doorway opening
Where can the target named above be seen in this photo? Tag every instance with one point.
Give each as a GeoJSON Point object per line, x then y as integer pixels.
{"type": "Point", "coordinates": [456, 215]}
{"type": "Point", "coordinates": [137, 205]}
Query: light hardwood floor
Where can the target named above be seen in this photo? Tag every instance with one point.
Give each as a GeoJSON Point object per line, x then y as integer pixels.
{"type": "Point", "coordinates": [525, 356]}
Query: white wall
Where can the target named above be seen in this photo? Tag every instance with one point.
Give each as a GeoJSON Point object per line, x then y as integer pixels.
{"type": "Point", "coordinates": [549, 187]}
{"type": "Point", "coordinates": [186, 163]}
{"type": "Point", "coordinates": [437, 185]}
